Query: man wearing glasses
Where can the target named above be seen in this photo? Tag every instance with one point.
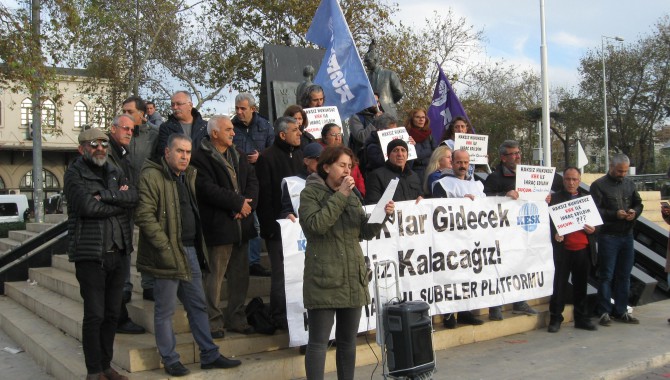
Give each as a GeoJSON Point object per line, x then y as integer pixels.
{"type": "Point", "coordinates": [502, 182]}
{"type": "Point", "coordinates": [185, 120]}
{"type": "Point", "coordinates": [100, 237]}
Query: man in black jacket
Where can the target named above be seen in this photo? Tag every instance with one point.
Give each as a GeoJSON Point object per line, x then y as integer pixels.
{"type": "Point", "coordinates": [227, 193]}
{"type": "Point", "coordinates": [99, 237]}
{"type": "Point", "coordinates": [282, 159]}
{"type": "Point", "coordinates": [120, 136]}
{"type": "Point", "coordinates": [619, 205]}
{"type": "Point", "coordinates": [185, 119]}
{"type": "Point", "coordinates": [409, 185]}
{"type": "Point", "coordinates": [573, 253]}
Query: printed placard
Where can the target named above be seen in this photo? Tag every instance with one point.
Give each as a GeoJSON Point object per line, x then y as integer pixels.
{"type": "Point", "coordinates": [572, 215]}
{"type": "Point", "coordinates": [534, 182]}
{"type": "Point", "coordinates": [476, 145]}
{"type": "Point", "coordinates": [388, 135]}
{"type": "Point", "coordinates": [320, 116]}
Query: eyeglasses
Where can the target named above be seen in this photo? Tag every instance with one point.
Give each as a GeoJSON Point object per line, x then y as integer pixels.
{"type": "Point", "coordinates": [96, 144]}
{"type": "Point", "coordinates": [177, 104]}
{"type": "Point", "coordinates": [335, 134]}
{"type": "Point", "coordinates": [512, 154]}
{"type": "Point", "coordinates": [125, 128]}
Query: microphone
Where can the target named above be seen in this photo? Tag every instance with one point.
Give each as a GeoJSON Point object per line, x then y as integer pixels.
{"type": "Point", "coordinates": [358, 193]}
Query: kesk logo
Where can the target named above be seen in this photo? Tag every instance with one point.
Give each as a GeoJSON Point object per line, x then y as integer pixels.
{"type": "Point", "coordinates": [529, 217]}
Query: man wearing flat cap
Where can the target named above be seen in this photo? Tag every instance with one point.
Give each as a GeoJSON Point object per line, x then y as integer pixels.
{"type": "Point", "coordinates": [100, 235]}
{"type": "Point", "coordinates": [409, 185]}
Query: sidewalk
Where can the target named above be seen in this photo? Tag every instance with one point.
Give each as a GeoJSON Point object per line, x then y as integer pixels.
{"type": "Point", "coordinates": [616, 352]}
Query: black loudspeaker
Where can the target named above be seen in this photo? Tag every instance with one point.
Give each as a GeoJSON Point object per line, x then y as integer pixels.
{"type": "Point", "coordinates": [408, 338]}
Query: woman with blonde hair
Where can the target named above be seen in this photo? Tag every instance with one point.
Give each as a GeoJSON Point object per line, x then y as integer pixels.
{"type": "Point", "coordinates": [440, 161]}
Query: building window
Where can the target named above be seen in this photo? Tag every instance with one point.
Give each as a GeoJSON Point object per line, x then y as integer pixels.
{"type": "Point", "coordinates": [48, 115]}
{"type": "Point", "coordinates": [80, 115]}
{"type": "Point", "coordinates": [26, 113]}
{"type": "Point", "coordinates": [50, 181]}
{"type": "Point", "coordinates": [2, 185]}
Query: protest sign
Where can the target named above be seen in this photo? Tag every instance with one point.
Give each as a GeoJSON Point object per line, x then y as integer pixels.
{"type": "Point", "coordinates": [320, 116]}
{"type": "Point", "coordinates": [454, 254]}
{"type": "Point", "coordinates": [534, 182]}
{"type": "Point", "coordinates": [388, 135]}
{"type": "Point", "coordinates": [476, 145]}
{"type": "Point", "coordinates": [572, 215]}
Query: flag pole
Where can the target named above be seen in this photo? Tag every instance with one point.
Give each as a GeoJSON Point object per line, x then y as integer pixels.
{"type": "Point", "coordinates": [546, 136]}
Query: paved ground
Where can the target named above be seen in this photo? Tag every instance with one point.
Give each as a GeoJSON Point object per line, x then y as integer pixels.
{"type": "Point", "coordinates": [616, 352]}
{"type": "Point", "coordinates": [19, 366]}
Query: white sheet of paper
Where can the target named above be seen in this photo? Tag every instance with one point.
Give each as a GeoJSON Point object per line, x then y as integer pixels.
{"type": "Point", "coordinates": [572, 215]}
{"type": "Point", "coordinates": [533, 183]}
{"type": "Point", "coordinates": [476, 145]}
{"type": "Point", "coordinates": [388, 135]}
{"type": "Point", "coordinates": [378, 213]}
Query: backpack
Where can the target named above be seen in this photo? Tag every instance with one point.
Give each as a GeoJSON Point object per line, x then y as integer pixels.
{"type": "Point", "coordinates": [258, 316]}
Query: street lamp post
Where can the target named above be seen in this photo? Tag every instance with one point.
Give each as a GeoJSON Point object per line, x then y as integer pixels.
{"type": "Point", "coordinates": [607, 147]}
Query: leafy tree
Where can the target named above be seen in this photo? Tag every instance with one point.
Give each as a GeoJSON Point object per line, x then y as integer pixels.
{"type": "Point", "coordinates": [638, 92]}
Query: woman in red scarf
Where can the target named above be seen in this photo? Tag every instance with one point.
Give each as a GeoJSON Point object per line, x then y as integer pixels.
{"type": "Point", "coordinates": [418, 127]}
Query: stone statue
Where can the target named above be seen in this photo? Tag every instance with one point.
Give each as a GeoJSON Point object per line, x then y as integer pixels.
{"type": "Point", "coordinates": [384, 82]}
{"type": "Point", "coordinates": [308, 72]}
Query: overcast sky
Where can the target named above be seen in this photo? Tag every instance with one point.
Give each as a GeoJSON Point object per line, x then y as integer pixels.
{"type": "Point", "coordinates": [512, 27]}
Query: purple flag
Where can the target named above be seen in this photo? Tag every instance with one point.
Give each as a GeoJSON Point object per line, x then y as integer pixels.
{"type": "Point", "coordinates": [444, 107]}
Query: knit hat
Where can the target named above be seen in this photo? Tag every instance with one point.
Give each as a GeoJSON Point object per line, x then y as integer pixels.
{"type": "Point", "coordinates": [395, 143]}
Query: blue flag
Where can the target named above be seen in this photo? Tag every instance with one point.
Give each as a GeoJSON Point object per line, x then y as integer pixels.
{"type": "Point", "coordinates": [444, 107]}
{"type": "Point", "coordinates": [342, 76]}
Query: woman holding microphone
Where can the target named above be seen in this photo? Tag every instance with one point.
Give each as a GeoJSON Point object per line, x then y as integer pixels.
{"type": "Point", "coordinates": [336, 278]}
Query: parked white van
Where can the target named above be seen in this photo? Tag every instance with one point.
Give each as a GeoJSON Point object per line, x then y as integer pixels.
{"type": "Point", "coordinates": [12, 208]}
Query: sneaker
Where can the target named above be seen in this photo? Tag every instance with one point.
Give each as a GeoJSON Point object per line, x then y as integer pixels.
{"type": "Point", "coordinates": [111, 374]}
{"type": "Point", "coordinates": [626, 318]}
{"type": "Point", "coordinates": [177, 370]}
{"type": "Point", "coordinates": [221, 362]}
{"type": "Point", "coordinates": [218, 334]}
{"type": "Point", "coordinates": [244, 329]}
{"type": "Point", "coordinates": [495, 313]}
{"type": "Point", "coordinates": [605, 320]}
{"type": "Point", "coordinates": [523, 308]}
{"type": "Point", "coordinates": [130, 327]}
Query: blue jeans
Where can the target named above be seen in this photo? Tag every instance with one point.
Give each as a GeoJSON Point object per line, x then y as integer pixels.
{"type": "Point", "coordinates": [615, 261]}
{"type": "Point", "coordinates": [255, 244]}
{"type": "Point", "coordinates": [192, 295]}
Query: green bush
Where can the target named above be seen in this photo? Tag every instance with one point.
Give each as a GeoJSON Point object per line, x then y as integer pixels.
{"type": "Point", "coordinates": [12, 226]}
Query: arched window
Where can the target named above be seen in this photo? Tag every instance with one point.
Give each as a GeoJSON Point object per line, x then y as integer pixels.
{"type": "Point", "coordinates": [48, 115]}
{"type": "Point", "coordinates": [80, 115]}
{"type": "Point", "coordinates": [50, 180]}
{"type": "Point", "coordinates": [2, 186]}
{"type": "Point", "coordinates": [26, 113]}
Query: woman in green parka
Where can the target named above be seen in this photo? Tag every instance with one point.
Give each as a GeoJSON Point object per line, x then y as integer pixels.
{"type": "Point", "coordinates": [336, 277]}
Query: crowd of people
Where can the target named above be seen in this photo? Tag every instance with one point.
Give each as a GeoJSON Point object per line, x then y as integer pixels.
{"type": "Point", "coordinates": [205, 194]}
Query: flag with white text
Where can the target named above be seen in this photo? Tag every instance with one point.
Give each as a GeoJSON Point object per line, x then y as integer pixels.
{"type": "Point", "coordinates": [444, 107]}
{"type": "Point", "coordinates": [342, 76]}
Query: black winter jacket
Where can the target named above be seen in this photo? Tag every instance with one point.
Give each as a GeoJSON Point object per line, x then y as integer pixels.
{"type": "Point", "coordinates": [87, 215]}
{"type": "Point", "coordinates": [409, 186]}
{"type": "Point", "coordinates": [198, 132]}
{"type": "Point", "coordinates": [276, 162]}
{"type": "Point", "coordinates": [611, 195]}
{"type": "Point", "coordinates": [218, 201]}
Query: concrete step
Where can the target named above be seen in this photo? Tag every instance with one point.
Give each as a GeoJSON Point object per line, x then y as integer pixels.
{"type": "Point", "coordinates": [258, 286]}
{"type": "Point", "coordinates": [54, 218]}
{"type": "Point", "coordinates": [7, 244]}
{"type": "Point", "coordinates": [22, 235]}
{"type": "Point", "coordinates": [38, 227]}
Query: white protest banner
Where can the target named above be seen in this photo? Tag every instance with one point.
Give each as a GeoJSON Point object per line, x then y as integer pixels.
{"type": "Point", "coordinates": [320, 116]}
{"type": "Point", "coordinates": [534, 182]}
{"type": "Point", "coordinates": [454, 254]}
{"type": "Point", "coordinates": [476, 145]}
{"type": "Point", "coordinates": [572, 215]}
{"type": "Point", "coordinates": [388, 135]}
